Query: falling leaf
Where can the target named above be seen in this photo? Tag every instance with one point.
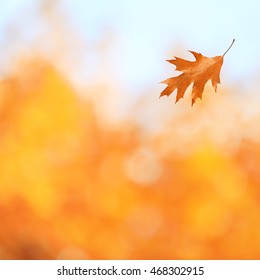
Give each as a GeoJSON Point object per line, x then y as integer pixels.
{"type": "Point", "coordinates": [197, 72]}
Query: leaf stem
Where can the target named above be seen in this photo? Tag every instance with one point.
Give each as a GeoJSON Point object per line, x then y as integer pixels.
{"type": "Point", "coordinates": [229, 47]}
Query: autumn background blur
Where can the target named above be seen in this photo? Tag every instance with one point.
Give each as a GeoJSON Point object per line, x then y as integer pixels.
{"type": "Point", "coordinates": [94, 165]}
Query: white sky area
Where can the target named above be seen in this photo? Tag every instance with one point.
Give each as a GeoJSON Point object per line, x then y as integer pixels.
{"type": "Point", "coordinates": [149, 32]}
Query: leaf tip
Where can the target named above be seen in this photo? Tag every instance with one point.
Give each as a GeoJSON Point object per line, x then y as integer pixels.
{"type": "Point", "coordinates": [196, 55]}
{"type": "Point", "coordinates": [172, 61]}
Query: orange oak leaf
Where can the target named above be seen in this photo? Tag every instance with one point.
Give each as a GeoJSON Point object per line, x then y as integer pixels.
{"type": "Point", "coordinates": [197, 72]}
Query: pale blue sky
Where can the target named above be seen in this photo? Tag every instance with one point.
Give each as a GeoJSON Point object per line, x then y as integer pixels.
{"type": "Point", "coordinates": [150, 31]}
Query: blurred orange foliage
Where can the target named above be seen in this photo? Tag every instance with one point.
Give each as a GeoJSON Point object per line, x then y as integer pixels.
{"type": "Point", "coordinates": [72, 189]}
